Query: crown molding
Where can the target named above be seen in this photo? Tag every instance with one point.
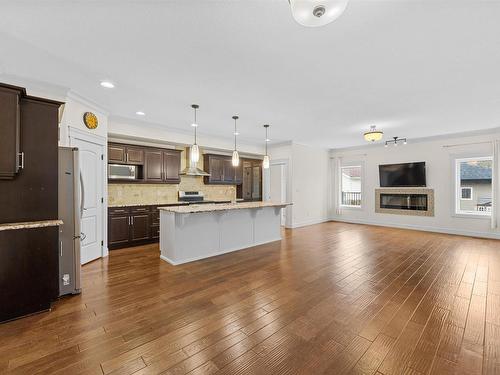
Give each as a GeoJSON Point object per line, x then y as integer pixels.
{"type": "Point", "coordinates": [74, 95]}
{"type": "Point", "coordinates": [433, 138]}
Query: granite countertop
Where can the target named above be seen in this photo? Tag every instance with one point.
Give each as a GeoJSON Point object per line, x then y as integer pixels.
{"type": "Point", "coordinates": [30, 224]}
{"type": "Point", "coordinates": [195, 208]}
{"type": "Point", "coordinates": [149, 204]}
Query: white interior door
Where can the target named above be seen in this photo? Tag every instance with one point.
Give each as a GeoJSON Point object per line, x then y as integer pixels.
{"type": "Point", "coordinates": [91, 180]}
{"type": "Point", "coordinates": [277, 186]}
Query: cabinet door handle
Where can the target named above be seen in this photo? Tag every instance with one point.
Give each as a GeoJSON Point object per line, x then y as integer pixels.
{"type": "Point", "coordinates": [21, 164]}
{"type": "Point", "coordinates": [132, 220]}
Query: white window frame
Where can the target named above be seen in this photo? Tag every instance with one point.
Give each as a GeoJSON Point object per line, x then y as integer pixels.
{"type": "Point", "coordinates": [458, 190]}
{"type": "Point", "coordinates": [471, 193]}
{"type": "Point", "coordinates": [361, 178]}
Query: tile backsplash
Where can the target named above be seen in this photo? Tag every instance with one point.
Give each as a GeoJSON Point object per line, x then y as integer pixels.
{"type": "Point", "coordinates": [150, 194]}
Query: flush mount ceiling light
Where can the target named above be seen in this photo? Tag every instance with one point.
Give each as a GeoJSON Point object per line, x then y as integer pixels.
{"type": "Point", "coordinates": [140, 113]}
{"type": "Point", "coordinates": [395, 141]}
{"type": "Point", "coordinates": [236, 157]}
{"type": "Point", "coordinates": [265, 162]}
{"type": "Point", "coordinates": [313, 13]}
{"type": "Point", "coordinates": [373, 134]}
{"type": "Point", "coordinates": [107, 84]}
{"type": "Point", "coordinates": [195, 150]}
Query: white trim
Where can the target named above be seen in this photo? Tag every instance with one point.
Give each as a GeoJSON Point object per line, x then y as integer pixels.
{"type": "Point", "coordinates": [72, 94]}
{"type": "Point", "coordinates": [457, 188]}
{"type": "Point", "coordinates": [494, 130]}
{"type": "Point", "coordinates": [459, 232]}
{"type": "Point", "coordinates": [86, 136]}
{"type": "Point", "coordinates": [309, 222]}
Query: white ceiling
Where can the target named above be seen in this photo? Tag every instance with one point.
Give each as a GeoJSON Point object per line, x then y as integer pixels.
{"type": "Point", "coordinates": [413, 68]}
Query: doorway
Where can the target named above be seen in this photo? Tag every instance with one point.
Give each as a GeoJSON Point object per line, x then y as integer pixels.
{"type": "Point", "coordinates": [278, 185]}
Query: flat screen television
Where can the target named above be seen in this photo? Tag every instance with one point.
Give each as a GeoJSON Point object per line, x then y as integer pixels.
{"type": "Point", "coordinates": [402, 175]}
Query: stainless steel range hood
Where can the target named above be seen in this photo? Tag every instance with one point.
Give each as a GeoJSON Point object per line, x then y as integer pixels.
{"type": "Point", "coordinates": [192, 169]}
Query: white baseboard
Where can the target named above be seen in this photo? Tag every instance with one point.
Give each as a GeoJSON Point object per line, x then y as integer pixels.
{"type": "Point", "coordinates": [308, 222]}
{"type": "Point", "coordinates": [459, 232]}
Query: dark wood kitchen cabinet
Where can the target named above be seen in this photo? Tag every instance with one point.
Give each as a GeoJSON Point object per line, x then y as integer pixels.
{"type": "Point", "coordinates": [10, 131]}
{"type": "Point", "coordinates": [125, 154]}
{"type": "Point", "coordinates": [221, 170]}
{"type": "Point", "coordinates": [171, 166]}
{"type": "Point", "coordinates": [153, 166]}
{"type": "Point", "coordinates": [251, 187]}
{"type": "Point", "coordinates": [131, 226]}
{"type": "Point", "coordinates": [156, 165]}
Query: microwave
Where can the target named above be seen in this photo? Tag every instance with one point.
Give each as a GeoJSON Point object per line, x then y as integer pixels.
{"type": "Point", "coordinates": [122, 172]}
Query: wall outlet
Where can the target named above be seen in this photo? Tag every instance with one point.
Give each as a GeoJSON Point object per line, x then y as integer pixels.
{"type": "Point", "coordinates": [65, 279]}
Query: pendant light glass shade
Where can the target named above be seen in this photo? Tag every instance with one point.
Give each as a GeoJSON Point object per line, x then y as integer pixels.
{"type": "Point", "coordinates": [313, 13]}
{"type": "Point", "coordinates": [195, 150]}
{"type": "Point", "coordinates": [195, 154]}
{"type": "Point", "coordinates": [235, 159]}
{"type": "Point", "coordinates": [265, 162]}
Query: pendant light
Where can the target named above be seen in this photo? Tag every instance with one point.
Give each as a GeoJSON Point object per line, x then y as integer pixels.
{"type": "Point", "coordinates": [373, 134]}
{"type": "Point", "coordinates": [236, 157]}
{"type": "Point", "coordinates": [195, 150]}
{"type": "Point", "coordinates": [265, 162]}
{"type": "Point", "coordinates": [313, 13]}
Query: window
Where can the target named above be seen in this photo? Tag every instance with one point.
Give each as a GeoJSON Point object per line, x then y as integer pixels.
{"type": "Point", "coordinates": [473, 186]}
{"type": "Point", "coordinates": [466, 193]}
{"type": "Point", "coordinates": [351, 186]}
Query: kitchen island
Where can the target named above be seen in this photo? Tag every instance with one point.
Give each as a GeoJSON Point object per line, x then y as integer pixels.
{"type": "Point", "coordinates": [189, 233]}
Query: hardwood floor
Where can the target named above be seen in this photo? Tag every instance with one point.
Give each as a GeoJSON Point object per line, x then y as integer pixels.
{"type": "Point", "coordinates": [332, 298]}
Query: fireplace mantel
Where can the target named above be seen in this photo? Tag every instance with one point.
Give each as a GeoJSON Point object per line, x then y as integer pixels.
{"type": "Point", "coordinates": [405, 201]}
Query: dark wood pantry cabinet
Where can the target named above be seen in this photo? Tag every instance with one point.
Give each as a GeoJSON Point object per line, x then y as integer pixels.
{"type": "Point", "coordinates": [10, 131]}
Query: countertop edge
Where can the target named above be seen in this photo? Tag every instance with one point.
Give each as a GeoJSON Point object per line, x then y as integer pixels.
{"type": "Point", "coordinates": [220, 207]}
{"type": "Point", "coordinates": [30, 224]}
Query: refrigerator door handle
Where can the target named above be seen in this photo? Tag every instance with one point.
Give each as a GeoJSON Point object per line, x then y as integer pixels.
{"type": "Point", "coordinates": [82, 195]}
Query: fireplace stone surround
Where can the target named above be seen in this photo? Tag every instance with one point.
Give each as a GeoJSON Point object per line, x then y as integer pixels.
{"type": "Point", "coordinates": [405, 201]}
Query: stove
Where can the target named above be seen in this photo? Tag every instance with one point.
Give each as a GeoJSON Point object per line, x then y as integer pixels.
{"type": "Point", "coordinates": [196, 197]}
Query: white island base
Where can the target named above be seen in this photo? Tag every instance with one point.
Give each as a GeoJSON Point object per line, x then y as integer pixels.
{"type": "Point", "coordinates": [197, 232]}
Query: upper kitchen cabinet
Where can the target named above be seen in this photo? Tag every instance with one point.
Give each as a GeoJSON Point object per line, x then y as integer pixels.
{"type": "Point", "coordinates": [221, 170]}
{"type": "Point", "coordinates": [152, 165]}
{"type": "Point", "coordinates": [171, 166]}
{"type": "Point", "coordinates": [123, 154]}
{"type": "Point", "coordinates": [11, 156]}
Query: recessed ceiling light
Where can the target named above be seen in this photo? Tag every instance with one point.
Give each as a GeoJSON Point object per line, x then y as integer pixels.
{"type": "Point", "coordinates": [268, 140]}
{"type": "Point", "coordinates": [236, 133]}
{"type": "Point", "coordinates": [107, 84]}
{"type": "Point", "coordinates": [194, 124]}
{"type": "Point", "coordinates": [140, 113]}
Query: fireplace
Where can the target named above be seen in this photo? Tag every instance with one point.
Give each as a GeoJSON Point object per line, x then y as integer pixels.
{"type": "Point", "coordinates": [404, 201]}
{"type": "Point", "coordinates": [419, 202]}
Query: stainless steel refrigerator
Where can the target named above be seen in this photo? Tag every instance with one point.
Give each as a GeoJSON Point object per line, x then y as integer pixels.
{"type": "Point", "coordinates": [69, 213]}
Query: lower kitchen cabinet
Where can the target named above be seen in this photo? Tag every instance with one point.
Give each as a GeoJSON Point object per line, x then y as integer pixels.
{"type": "Point", "coordinates": [131, 226]}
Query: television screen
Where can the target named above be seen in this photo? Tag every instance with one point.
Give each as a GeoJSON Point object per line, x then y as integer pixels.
{"type": "Point", "coordinates": [402, 175]}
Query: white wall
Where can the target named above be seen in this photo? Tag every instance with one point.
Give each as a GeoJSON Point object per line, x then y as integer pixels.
{"type": "Point", "coordinates": [308, 182]}
{"type": "Point", "coordinates": [440, 177]}
{"type": "Point", "coordinates": [73, 112]}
